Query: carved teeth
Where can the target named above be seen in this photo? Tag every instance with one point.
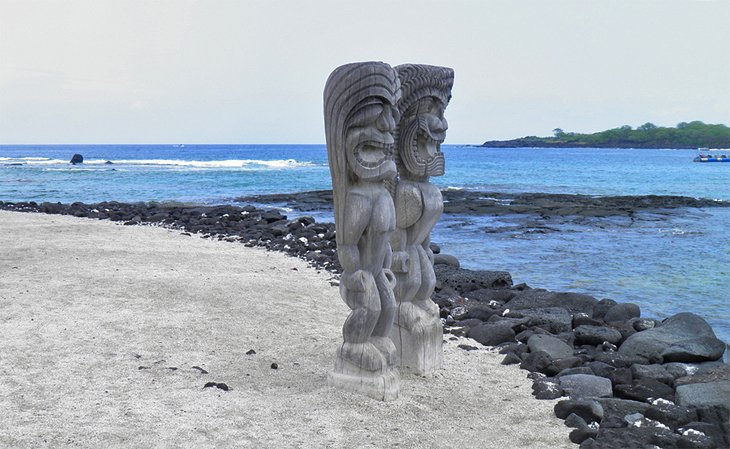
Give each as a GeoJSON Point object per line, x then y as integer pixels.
{"type": "Point", "coordinates": [371, 148]}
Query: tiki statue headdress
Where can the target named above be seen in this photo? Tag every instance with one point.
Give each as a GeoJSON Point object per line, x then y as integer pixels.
{"type": "Point", "coordinates": [426, 91]}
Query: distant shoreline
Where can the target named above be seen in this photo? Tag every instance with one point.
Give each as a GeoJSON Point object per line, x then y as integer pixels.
{"type": "Point", "coordinates": [521, 143]}
{"type": "Point", "coordinates": [685, 136]}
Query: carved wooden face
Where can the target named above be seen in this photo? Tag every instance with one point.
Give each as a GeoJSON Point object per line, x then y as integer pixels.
{"type": "Point", "coordinates": [423, 130]}
{"type": "Point", "coordinates": [369, 140]}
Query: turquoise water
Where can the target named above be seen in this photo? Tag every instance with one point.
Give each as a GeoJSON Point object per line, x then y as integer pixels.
{"type": "Point", "coordinates": [664, 263]}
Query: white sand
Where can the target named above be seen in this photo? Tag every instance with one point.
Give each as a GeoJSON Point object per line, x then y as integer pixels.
{"type": "Point", "coordinates": [84, 304]}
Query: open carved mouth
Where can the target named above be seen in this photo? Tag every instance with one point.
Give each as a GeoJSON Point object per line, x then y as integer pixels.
{"type": "Point", "coordinates": [371, 154]}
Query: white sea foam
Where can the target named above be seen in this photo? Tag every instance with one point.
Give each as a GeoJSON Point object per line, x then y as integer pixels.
{"type": "Point", "coordinates": [32, 160]}
{"type": "Point", "coordinates": [230, 163]}
{"type": "Point", "coordinates": [246, 164]}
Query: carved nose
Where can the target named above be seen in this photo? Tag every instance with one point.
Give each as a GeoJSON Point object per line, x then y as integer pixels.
{"type": "Point", "coordinates": [438, 125]}
{"type": "Point", "coordinates": [385, 122]}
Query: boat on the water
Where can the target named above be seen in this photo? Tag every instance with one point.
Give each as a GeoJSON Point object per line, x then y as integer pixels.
{"type": "Point", "coordinates": [712, 155]}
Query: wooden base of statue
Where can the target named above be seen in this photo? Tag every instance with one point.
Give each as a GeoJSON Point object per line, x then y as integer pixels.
{"type": "Point", "coordinates": [382, 384]}
{"type": "Point", "coordinates": [418, 336]}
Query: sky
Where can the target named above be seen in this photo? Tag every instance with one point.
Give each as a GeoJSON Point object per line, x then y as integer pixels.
{"type": "Point", "coordinates": [253, 71]}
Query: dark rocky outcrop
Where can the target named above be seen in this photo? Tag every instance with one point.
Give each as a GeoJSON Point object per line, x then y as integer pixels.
{"type": "Point", "coordinates": [77, 159]}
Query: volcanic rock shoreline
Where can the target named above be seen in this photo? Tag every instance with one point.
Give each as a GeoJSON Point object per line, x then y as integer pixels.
{"type": "Point", "coordinates": [628, 381]}
{"type": "Point", "coordinates": [469, 202]}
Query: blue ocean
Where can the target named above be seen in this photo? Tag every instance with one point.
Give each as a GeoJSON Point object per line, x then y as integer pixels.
{"type": "Point", "coordinates": [666, 263]}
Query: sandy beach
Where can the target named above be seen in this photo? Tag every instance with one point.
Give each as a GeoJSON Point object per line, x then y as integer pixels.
{"type": "Point", "coordinates": [109, 330]}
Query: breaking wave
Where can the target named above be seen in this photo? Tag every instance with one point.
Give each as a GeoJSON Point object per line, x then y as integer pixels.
{"type": "Point", "coordinates": [249, 164]}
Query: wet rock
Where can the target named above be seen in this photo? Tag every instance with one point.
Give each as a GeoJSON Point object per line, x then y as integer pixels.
{"type": "Point", "coordinates": [77, 159]}
{"type": "Point", "coordinates": [595, 335]}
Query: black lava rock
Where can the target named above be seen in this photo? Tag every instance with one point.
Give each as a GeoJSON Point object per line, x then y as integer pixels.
{"type": "Point", "coordinates": [645, 390]}
{"type": "Point", "coordinates": [490, 334]}
{"type": "Point", "coordinates": [684, 337]}
{"type": "Point", "coordinates": [595, 335]}
{"type": "Point", "coordinates": [622, 312]}
{"type": "Point", "coordinates": [589, 410]}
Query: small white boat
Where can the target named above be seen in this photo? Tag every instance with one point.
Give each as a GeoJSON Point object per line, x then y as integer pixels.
{"type": "Point", "coordinates": [712, 155]}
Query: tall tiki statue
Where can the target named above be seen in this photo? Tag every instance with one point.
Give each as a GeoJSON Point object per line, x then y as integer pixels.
{"type": "Point", "coordinates": [360, 116]}
{"type": "Point", "coordinates": [417, 333]}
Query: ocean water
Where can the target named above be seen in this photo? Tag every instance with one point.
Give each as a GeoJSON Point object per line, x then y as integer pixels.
{"type": "Point", "coordinates": [666, 263]}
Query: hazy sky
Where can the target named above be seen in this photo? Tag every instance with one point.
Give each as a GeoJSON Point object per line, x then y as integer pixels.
{"type": "Point", "coordinates": [252, 71]}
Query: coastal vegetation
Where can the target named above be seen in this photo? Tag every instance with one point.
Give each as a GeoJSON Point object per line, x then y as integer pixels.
{"type": "Point", "coordinates": [685, 135]}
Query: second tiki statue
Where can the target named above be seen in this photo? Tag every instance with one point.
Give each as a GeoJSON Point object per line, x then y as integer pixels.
{"type": "Point", "coordinates": [417, 331]}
